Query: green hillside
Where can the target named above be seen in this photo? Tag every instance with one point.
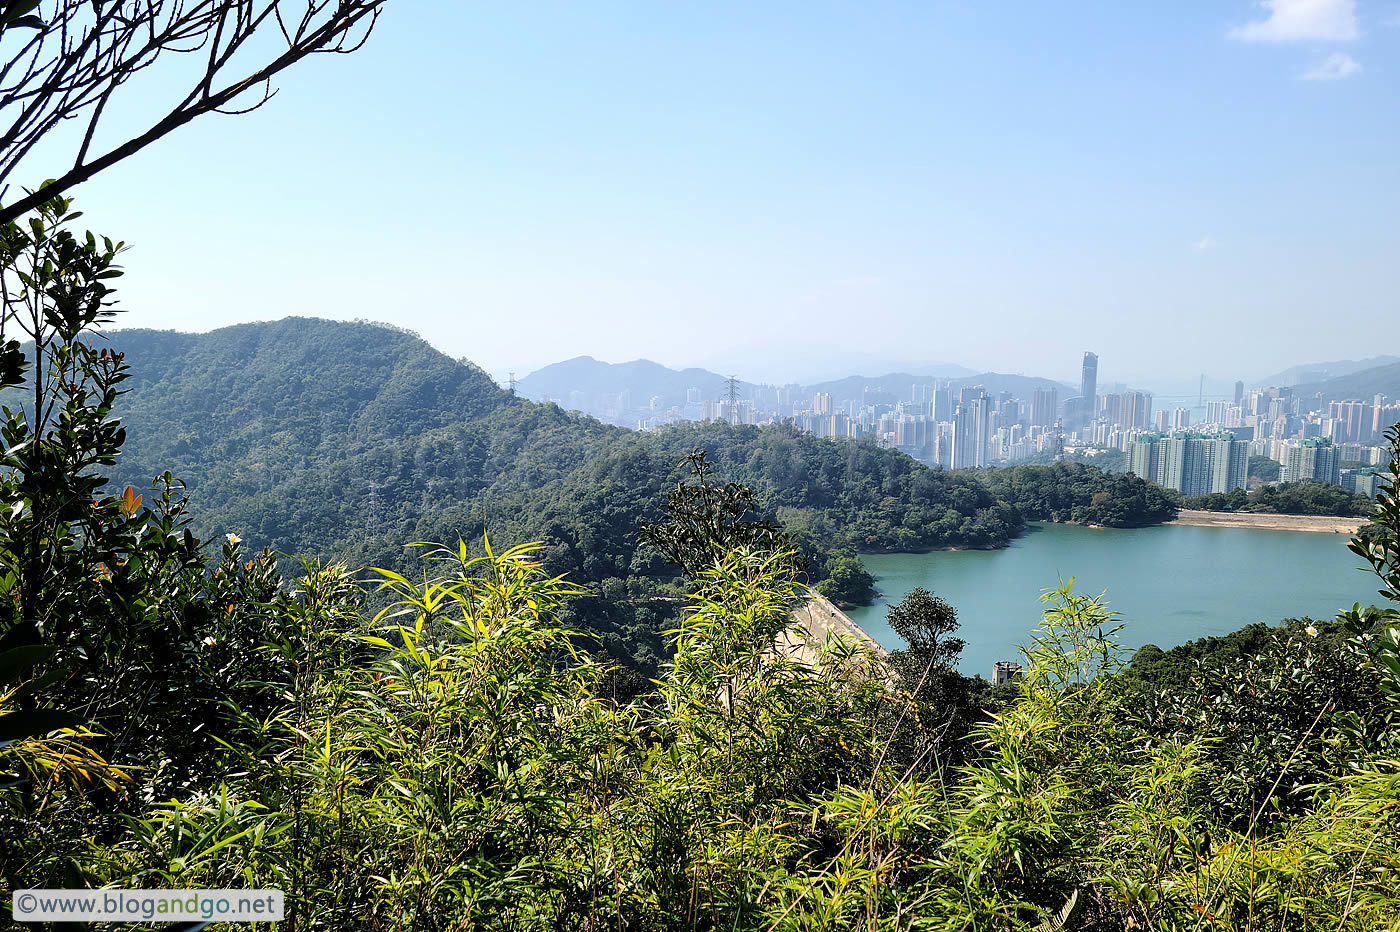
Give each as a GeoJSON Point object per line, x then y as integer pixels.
{"type": "Point", "coordinates": [1316, 371]}
{"type": "Point", "coordinates": [350, 441]}
{"type": "Point", "coordinates": [287, 390]}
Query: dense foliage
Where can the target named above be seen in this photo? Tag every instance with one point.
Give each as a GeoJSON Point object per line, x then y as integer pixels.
{"type": "Point", "coordinates": [1288, 498]}
{"type": "Point", "coordinates": [1081, 494]}
{"type": "Point", "coordinates": [1264, 468]}
{"type": "Point", "coordinates": [1283, 708]}
{"type": "Point", "coordinates": [465, 767]}
{"type": "Point", "coordinates": [349, 441]}
{"type": "Point", "coordinates": [1106, 460]}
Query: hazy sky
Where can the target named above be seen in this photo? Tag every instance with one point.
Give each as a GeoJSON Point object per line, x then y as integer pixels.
{"type": "Point", "coordinates": [1182, 187]}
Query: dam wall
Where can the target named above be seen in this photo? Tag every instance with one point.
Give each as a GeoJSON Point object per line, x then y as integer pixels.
{"type": "Point", "coordinates": [819, 618]}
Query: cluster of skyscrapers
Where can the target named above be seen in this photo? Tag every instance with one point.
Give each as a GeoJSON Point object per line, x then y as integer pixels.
{"type": "Point", "coordinates": [1192, 463]}
{"type": "Point", "coordinates": [968, 426]}
{"type": "Point", "coordinates": [1314, 459]}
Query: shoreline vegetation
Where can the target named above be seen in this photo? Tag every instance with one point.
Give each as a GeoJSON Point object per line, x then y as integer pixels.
{"type": "Point", "coordinates": [1269, 522]}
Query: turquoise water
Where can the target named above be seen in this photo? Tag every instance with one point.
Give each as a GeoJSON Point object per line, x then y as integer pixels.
{"type": "Point", "coordinates": [1171, 583]}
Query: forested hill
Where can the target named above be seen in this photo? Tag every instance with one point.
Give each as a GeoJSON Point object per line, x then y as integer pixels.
{"type": "Point", "coordinates": [283, 392]}
{"type": "Point", "coordinates": [351, 440]}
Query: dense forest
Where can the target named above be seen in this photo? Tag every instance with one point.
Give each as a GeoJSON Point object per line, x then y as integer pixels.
{"type": "Point", "coordinates": [1074, 492]}
{"type": "Point", "coordinates": [1288, 498]}
{"type": "Point", "coordinates": [350, 441]}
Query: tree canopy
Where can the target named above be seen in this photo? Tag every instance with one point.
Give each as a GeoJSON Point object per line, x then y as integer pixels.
{"type": "Point", "coordinates": [1288, 498]}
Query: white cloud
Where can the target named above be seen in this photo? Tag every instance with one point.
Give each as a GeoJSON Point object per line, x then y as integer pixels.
{"type": "Point", "coordinates": [1205, 242]}
{"type": "Point", "coordinates": [1291, 20]}
{"type": "Point", "coordinates": [1334, 67]}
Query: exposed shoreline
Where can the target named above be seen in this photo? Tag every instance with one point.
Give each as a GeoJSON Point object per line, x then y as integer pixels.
{"type": "Point", "coordinates": [1315, 523]}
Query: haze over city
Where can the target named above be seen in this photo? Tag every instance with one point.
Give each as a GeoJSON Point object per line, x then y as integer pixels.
{"type": "Point", "coordinates": [1185, 188]}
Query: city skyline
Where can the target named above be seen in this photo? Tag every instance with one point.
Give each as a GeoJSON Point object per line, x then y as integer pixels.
{"type": "Point", "coordinates": [1212, 388]}
{"type": "Point", "coordinates": [966, 423]}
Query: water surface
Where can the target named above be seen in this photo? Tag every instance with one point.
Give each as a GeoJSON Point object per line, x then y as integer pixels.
{"type": "Point", "coordinates": [1171, 583]}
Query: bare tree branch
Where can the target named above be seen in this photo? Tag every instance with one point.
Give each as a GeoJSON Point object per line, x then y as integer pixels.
{"type": "Point", "coordinates": [69, 59]}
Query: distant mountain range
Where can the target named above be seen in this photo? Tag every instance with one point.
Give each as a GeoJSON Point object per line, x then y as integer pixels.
{"type": "Point", "coordinates": [623, 393]}
{"type": "Point", "coordinates": [1357, 386]}
{"type": "Point", "coordinates": [593, 387]}
{"type": "Point", "coordinates": [898, 384]}
{"type": "Point", "coordinates": [618, 392]}
{"type": "Point", "coordinates": [806, 363]}
{"type": "Point", "coordinates": [1311, 373]}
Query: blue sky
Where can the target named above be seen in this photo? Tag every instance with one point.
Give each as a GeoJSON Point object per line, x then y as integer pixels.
{"type": "Point", "coordinates": [1183, 187]}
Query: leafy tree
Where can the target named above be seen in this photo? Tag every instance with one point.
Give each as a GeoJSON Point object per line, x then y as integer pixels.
{"type": "Point", "coordinates": [707, 521]}
{"type": "Point", "coordinates": [946, 703]}
{"type": "Point", "coordinates": [1289, 498]}
{"type": "Point", "coordinates": [63, 547]}
{"type": "Point", "coordinates": [846, 581]}
{"type": "Point", "coordinates": [926, 622]}
{"type": "Point", "coordinates": [105, 594]}
{"type": "Point", "coordinates": [1381, 549]}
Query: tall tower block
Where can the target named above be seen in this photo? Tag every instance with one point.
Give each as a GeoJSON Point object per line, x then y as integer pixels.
{"type": "Point", "coordinates": [1089, 385]}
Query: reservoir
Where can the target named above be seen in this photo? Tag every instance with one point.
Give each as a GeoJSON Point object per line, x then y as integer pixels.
{"type": "Point", "coordinates": [1171, 583]}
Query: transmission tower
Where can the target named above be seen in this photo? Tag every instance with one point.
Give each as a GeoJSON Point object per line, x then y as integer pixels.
{"type": "Point", "coordinates": [510, 382]}
{"type": "Point", "coordinates": [372, 507]}
{"type": "Point", "coordinates": [732, 398]}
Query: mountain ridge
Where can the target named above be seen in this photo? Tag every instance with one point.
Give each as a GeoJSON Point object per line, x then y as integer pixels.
{"type": "Point", "coordinates": [1330, 370]}
{"type": "Point", "coordinates": [1363, 385]}
{"type": "Point", "coordinates": [600, 388]}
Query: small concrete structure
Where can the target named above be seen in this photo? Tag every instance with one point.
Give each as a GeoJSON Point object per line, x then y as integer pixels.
{"type": "Point", "coordinates": [1004, 671]}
